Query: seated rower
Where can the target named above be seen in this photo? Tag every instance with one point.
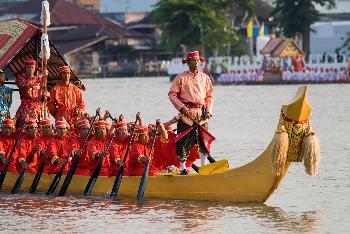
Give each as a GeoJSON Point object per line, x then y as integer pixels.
{"type": "Point", "coordinates": [83, 164]}
{"type": "Point", "coordinates": [96, 148]}
{"type": "Point", "coordinates": [41, 143]}
{"type": "Point", "coordinates": [7, 140]}
{"type": "Point", "coordinates": [119, 146]}
{"type": "Point", "coordinates": [25, 148]}
{"type": "Point", "coordinates": [59, 148]}
{"type": "Point", "coordinates": [140, 151]}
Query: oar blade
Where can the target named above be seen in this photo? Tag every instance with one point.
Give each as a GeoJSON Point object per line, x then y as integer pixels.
{"type": "Point", "coordinates": [55, 182]}
{"type": "Point", "coordinates": [143, 182]}
{"type": "Point", "coordinates": [18, 183]}
{"type": "Point", "coordinates": [37, 177]}
{"type": "Point", "coordinates": [117, 182]}
{"type": "Point", "coordinates": [93, 179]}
{"type": "Point", "coordinates": [69, 177]}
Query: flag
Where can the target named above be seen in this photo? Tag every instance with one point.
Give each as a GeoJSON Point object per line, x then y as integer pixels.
{"type": "Point", "coordinates": [207, 138]}
{"type": "Point", "coordinates": [182, 134]}
{"type": "Point", "coordinates": [262, 30]}
{"type": "Point", "coordinates": [250, 29]}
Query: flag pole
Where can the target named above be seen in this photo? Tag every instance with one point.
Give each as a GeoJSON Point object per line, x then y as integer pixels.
{"type": "Point", "coordinates": [45, 50]}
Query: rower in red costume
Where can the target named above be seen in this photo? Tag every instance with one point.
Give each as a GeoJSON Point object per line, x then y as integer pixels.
{"type": "Point", "coordinates": [139, 152]}
{"type": "Point", "coordinates": [26, 147]}
{"type": "Point", "coordinates": [7, 140]}
{"type": "Point", "coordinates": [59, 147]}
{"type": "Point", "coordinates": [118, 148]}
{"type": "Point", "coordinates": [41, 143]}
{"type": "Point", "coordinates": [83, 164]}
{"type": "Point", "coordinates": [96, 148]}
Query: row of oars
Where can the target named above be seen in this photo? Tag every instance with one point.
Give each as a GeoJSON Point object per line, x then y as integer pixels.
{"type": "Point", "coordinates": [71, 171]}
{"type": "Point", "coordinates": [93, 177]}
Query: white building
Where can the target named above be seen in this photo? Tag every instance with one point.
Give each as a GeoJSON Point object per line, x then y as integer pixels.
{"type": "Point", "coordinates": [326, 37]}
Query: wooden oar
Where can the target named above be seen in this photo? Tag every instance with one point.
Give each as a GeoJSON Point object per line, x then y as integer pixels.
{"type": "Point", "coordinates": [38, 174]}
{"type": "Point", "coordinates": [20, 178]}
{"type": "Point", "coordinates": [75, 161]}
{"type": "Point", "coordinates": [97, 170]}
{"type": "Point", "coordinates": [58, 176]}
{"type": "Point", "coordinates": [143, 182]}
{"type": "Point", "coordinates": [119, 176]}
{"type": "Point", "coordinates": [7, 163]}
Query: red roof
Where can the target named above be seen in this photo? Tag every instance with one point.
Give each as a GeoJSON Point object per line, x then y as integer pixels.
{"type": "Point", "coordinates": [62, 12]}
{"type": "Point", "coordinates": [18, 45]}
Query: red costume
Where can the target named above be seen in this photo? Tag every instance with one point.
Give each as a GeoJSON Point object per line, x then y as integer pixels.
{"type": "Point", "coordinates": [165, 153]}
{"type": "Point", "coordinates": [95, 146]}
{"type": "Point", "coordinates": [137, 150]}
{"type": "Point", "coordinates": [298, 64]}
{"type": "Point", "coordinates": [30, 92]}
{"type": "Point", "coordinates": [117, 152]}
{"type": "Point", "coordinates": [42, 143]}
{"type": "Point", "coordinates": [66, 100]}
{"type": "Point", "coordinates": [6, 145]}
{"type": "Point", "coordinates": [59, 148]}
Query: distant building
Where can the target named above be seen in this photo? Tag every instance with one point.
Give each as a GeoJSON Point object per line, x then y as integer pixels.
{"type": "Point", "coordinates": [326, 37]}
{"type": "Point", "coordinates": [91, 5]}
{"type": "Point", "coordinates": [340, 12]}
{"type": "Point", "coordinates": [9, 3]}
{"type": "Point", "coordinates": [125, 17]}
{"type": "Point", "coordinates": [91, 43]}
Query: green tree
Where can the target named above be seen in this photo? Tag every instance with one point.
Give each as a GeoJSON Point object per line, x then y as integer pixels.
{"type": "Point", "coordinates": [296, 16]}
{"type": "Point", "coordinates": [197, 23]}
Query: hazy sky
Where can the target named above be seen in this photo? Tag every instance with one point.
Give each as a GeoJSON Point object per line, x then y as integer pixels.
{"type": "Point", "coordinates": [127, 5]}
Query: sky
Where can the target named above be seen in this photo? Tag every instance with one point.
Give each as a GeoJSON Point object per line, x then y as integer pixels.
{"type": "Point", "coordinates": [127, 5]}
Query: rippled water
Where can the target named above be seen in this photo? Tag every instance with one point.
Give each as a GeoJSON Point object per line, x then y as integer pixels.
{"type": "Point", "coordinates": [244, 121]}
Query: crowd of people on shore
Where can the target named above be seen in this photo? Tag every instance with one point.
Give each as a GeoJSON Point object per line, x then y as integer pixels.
{"type": "Point", "coordinates": [241, 76]}
{"type": "Point", "coordinates": [316, 74]}
{"type": "Point", "coordinates": [31, 139]}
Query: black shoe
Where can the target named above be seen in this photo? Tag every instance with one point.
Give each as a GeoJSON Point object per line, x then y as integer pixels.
{"type": "Point", "coordinates": [184, 172]}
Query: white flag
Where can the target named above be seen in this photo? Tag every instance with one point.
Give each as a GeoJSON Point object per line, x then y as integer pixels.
{"type": "Point", "coordinates": [45, 47]}
{"type": "Point", "coordinates": [45, 10]}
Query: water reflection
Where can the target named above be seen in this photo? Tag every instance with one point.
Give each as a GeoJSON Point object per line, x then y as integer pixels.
{"type": "Point", "coordinates": [76, 214]}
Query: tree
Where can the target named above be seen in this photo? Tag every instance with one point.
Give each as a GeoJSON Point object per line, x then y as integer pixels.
{"type": "Point", "coordinates": [197, 23]}
{"type": "Point", "coordinates": [296, 16]}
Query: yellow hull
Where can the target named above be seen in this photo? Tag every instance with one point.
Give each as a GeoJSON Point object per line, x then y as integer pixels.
{"type": "Point", "coordinates": [253, 182]}
{"type": "Point", "coordinates": [250, 183]}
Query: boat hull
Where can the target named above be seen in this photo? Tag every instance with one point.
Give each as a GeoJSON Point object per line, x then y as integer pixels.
{"type": "Point", "coordinates": [250, 183]}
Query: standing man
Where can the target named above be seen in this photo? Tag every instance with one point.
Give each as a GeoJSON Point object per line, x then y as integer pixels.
{"type": "Point", "coordinates": [31, 93]}
{"type": "Point", "coordinates": [5, 98]}
{"type": "Point", "coordinates": [66, 99]}
{"type": "Point", "coordinates": [191, 94]}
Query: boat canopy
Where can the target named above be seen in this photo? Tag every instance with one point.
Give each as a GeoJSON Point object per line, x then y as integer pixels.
{"type": "Point", "coordinates": [20, 40]}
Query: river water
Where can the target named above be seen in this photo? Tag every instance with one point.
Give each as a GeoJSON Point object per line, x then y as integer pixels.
{"type": "Point", "coordinates": [244, 121]}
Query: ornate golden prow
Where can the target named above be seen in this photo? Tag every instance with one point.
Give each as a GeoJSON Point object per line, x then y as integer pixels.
{"type": "Point", "coordinates": [294, 140]}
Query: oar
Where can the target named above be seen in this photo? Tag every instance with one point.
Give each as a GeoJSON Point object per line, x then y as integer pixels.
{"type": "Point", "coordinates": [20, 178]}
{"type": "Point", "coordinates": [143, 182]}
{"type": "Point", "coordinates": [7, 163]}
{"type": "Point", "coordinates": [97, 170]}
{"type": "Point", "coordinates": [38, 176]}
{"type": "Point", "coordinates": [75, 161]}
{"type": "Point", "coordinates": [58, 176]}
{"type": "Point", "coordinates": [119, 176]}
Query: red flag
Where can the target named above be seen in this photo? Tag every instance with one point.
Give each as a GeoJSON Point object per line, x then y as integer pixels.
{"type": "Point", "coordinates": [179, 136]}
{"type": "Point", "coordinates": [206, 137]}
